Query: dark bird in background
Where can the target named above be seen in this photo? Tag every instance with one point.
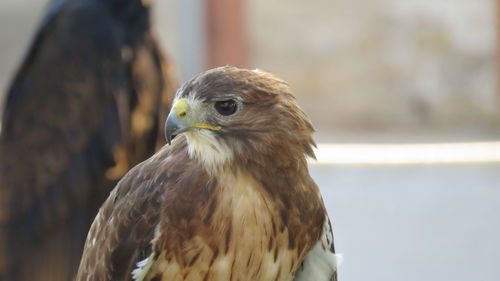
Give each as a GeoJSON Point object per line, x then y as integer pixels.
{"type": "Point", "coordinates": [88, 102]}
{"type": "Point", "coordinates": [230, 199]}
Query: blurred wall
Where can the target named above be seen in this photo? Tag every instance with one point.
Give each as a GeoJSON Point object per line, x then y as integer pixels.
{"type": "Point", "coordinates": [18, 20]}
{"type": "Point", "coordinates": [382, 64]}
{"type": "Point", "coordinates": [180, 27]}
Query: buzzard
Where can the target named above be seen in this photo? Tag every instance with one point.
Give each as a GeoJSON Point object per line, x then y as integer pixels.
{"type": "Point", "coordinates": [88, 103]}
{"type": "Point", "coordinates": [230, 199]}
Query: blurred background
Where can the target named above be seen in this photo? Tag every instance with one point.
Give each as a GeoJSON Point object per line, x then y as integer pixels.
{"type": "Point", "coordinates": [405, 98]}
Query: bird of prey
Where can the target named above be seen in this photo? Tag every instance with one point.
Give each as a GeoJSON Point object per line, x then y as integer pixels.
{"type": "Point", "coordinates": [88, 103]}
{"type": "Point", "coordinates": [230, 199]}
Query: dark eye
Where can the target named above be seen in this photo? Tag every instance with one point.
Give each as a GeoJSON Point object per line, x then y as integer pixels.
{"type": "Point", "coordinates": [226, 107]}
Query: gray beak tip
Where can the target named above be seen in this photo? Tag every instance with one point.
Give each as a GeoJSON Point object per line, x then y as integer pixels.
{"type": "Point", "coordinates": [174, 126]}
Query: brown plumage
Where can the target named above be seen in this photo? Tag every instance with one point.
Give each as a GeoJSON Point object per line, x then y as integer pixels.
{"type": "Point", "coordinates": [87, 104]}
{"type": "Point", "coordinates": [230, 199]}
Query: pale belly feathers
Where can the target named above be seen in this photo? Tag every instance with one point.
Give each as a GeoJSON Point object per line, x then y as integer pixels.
{"type": "Point", "coordinates": [257, 249]}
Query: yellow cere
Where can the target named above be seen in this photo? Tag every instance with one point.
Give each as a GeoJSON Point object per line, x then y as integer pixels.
{"type": "Point", "coordinates": [181, 107]}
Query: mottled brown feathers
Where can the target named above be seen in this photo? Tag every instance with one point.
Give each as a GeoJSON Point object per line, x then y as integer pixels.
{"type": "Point", "coordinates": [254, 217]}
{"type": "Point", "coordinates": [87, 104]}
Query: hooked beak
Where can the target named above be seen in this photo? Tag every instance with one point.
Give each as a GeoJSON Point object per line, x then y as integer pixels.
{"type": "Point", "coordinates": [181, 119]}
{"type": "Point", "coordinates": [176, 120]}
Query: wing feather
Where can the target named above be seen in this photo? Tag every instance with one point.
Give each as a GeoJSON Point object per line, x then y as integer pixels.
{"type": "Point", "coordinates": [321, 262]}
{"type": "Point", "coordinates": [122, 232]}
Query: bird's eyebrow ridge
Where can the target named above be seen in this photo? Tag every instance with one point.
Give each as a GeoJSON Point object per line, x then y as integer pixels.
{"type": "Point", "coordinates": [223, 98]}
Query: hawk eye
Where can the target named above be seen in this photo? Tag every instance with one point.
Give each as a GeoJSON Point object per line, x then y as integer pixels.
{"type": "Point", "coordinates": [226, 107]}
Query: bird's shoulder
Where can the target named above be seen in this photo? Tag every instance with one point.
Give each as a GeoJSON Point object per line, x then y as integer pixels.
{"type": "Point", "coordinates": [321, 262]}
{"type": "Point", "coordinates": [124, 227]}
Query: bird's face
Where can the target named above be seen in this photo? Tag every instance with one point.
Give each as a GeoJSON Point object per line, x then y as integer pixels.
{"type": "Point", "coordinates": [228, 112]}
{"type": "Point", "coordinates": [194, 115]}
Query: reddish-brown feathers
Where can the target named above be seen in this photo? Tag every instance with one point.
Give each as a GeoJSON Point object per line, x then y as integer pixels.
{"type": "Point", "coordinates": [255, 218]}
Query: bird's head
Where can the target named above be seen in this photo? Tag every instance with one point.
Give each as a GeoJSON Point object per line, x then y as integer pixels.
{"type": "Point", "coordinates": [230, 114]}
{"type": "Point", "coordinates": [134, 15]}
